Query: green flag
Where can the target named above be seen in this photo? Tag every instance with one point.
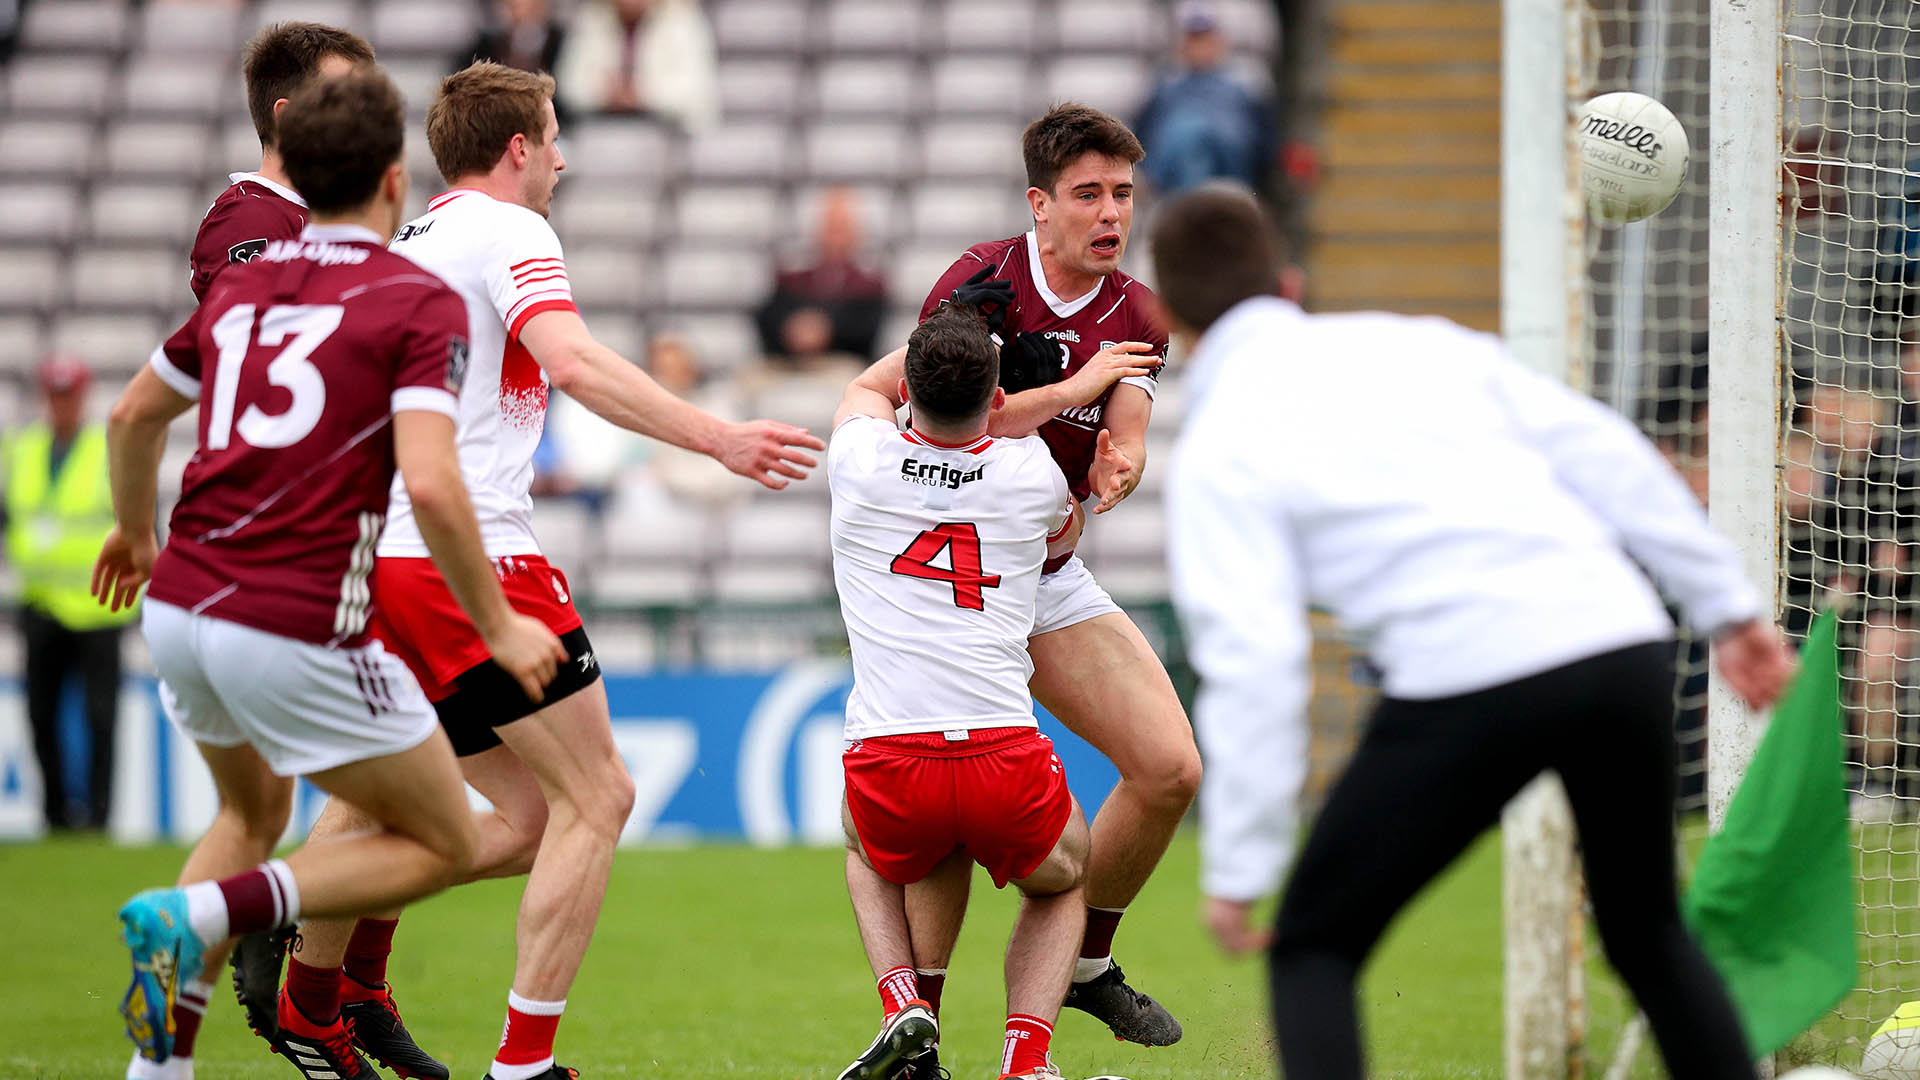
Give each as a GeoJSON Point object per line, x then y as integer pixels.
{"type": "Point", "coordinates": [1772, 899]}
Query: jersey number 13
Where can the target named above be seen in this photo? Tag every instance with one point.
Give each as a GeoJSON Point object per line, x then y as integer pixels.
{"type": "Point", "coordinates": [307, 325]}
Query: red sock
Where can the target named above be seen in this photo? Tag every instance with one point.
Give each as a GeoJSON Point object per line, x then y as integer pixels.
{"type": "Point", "coordinates": [932, 981]}
{"type": "Point", "coordinates": [897, 990]}
{"type": "Point", "coordinates": [189, 1008]}
{"type": "Point", "coordinates": [526, 1045]}
{"type": "Point", "coordinates": [314, 991]}
{"type": "Point", "coordinates": [365, 969]}
{"type": "Point", "coordinates": [1026, 1046]}
{"type": "Point", "coordinates": [1101, 923]}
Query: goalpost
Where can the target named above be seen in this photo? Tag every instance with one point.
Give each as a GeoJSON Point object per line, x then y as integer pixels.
{"type": "Point", "coordinates": [1765, 331]}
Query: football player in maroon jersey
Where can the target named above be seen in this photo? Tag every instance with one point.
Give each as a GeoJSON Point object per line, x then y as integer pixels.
{"type": "Point", "coordinates": [262, 206]}
{"type": "Point", "coordinates": [319, 370]}
{"type": "Point", "coordinates": [1085, 343]}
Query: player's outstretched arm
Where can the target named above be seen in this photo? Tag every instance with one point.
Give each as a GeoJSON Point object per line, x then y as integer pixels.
{"type": "Point", "coordinates": [622, 394]}
{"type": "Point", "coordinates": [1025, 411]}
{"type": "Point", "coordinates": [429, 465]}
{"type": "Point", "coordinates": [136, 439]}
{"type": "Point", "coordinates": [1113, 475]}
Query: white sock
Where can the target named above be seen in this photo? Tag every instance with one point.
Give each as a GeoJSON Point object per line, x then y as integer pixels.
{"type": "Point", "coordinates": [1085, 970]}
{"type": "Point", "coordinates": [174, 1068]}
{"type": "Point", "coordinates": [289, 890]}
{"type": "Point", "coordinates": [207, 912]}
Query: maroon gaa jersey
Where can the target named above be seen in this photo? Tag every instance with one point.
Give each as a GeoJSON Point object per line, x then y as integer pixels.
{"type": "Point", "coordinates": [299, 359]}
{"type": "Point", "coordinates": [1118, 309]}
{"type": "Point", "coordinates": [248, 216]}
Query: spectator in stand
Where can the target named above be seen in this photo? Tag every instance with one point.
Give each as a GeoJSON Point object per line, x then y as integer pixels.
{"type": "Point", "coordinates": [1201, 123]}
{"type": "Point", "coordinates": [641, 57]}
{"type": "Point", "coordinates": [831, 306]}
{"type": "Point", "coordinates": [523, 34]}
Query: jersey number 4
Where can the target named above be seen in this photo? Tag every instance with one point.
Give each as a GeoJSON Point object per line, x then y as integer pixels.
{"type": "Point", "coordinates": [308, 325]}
{"type": "Point", "coordinates": [963, 541]}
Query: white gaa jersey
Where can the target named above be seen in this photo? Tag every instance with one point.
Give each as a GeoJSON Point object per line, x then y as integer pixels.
{"type": "Point", "coordinates": [505, 262]}
{"type": "Point", "coordinates": [936, 557]}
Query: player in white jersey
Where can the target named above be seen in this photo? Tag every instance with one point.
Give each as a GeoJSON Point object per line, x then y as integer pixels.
{"type": "Point", "coordinates": [560, 789]}
{"type": "Point", "coordinates": [939, 534]}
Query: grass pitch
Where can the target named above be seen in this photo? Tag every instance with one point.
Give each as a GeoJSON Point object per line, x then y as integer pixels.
{"type": "Point", "coordinates": [739, 962]}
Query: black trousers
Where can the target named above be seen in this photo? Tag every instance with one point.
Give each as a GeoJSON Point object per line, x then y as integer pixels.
{"type": "Point", "coordinates": [1431, 776]}
{"type": "Point", "coordinates": [53, 652]}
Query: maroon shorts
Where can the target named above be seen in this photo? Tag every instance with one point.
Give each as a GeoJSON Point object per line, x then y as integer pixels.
{"type": "Point", "coordinates": [416, 617]}
{"type": "Point", "coordinates": [999, 795]}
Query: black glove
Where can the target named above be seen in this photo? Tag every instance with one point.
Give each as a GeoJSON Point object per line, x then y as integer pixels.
{"type": "Point", "coordinates": [1029, 360]}
{"type": "Point", "coordinates": [990, 298]}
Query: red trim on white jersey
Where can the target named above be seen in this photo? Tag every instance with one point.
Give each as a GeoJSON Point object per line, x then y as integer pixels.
{"type": "Point", "coordinates": [449, 195]}
{"type": "Point", "coordinates": [974, 447]}
{"type": "Point", "coordinates": [538, 306]}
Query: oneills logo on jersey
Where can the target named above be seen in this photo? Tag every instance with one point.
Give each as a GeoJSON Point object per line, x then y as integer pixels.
{"type": "Point", "coordinates": [247, 250]}
{"type": "Point", "coordinates": [938, 474]}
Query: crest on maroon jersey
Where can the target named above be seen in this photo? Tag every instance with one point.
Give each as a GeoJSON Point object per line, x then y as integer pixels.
{"type": "Point", "coordinates": [456, 363]}
{"type": "Point", "coordinates": [246, 251]}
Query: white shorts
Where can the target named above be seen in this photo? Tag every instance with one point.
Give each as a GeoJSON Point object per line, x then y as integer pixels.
{"type": "Point", "coordinates": [1069, 596]}
{"type": "Point", "coordinates": [306, 708]}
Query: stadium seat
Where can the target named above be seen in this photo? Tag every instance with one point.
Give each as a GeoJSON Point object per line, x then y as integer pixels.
{"type": "Point", "coordinates": [145, 213]}
{"type": "Point", "coordinates": [566, 531]}
{"type": "Point", "coordinates": [865, 88]}
{"type": "Point", "coordinates": [1118, 83]}
{"type": "Point", "coordinates": [804, 399]}
{"type": "Point", "coordinates": [1250, 24]}
{"type": "Point", "coordinates": [745, 151]}
{"type": "Point", "coordinates": [609, 150]}
{"type": "Point", "coordinates": [644, 586]}
{"type": "Point", "coordinates": [1084, 26]}
{"type": "Point", "coordinates": [1134, 531]}
{"type": "Point", "coordinates": [162, 86]}
{"type": "Point", "coordinates": [914, 271]}
{"type": "Point", "coordinates": [759, 89]}
{"type": "Point", "coordinates": [71, 86]}
{"type": "Point", "coordinates": [711, 278]}
{"type": "Point", "coordinates": [347, 13]}
{"type": "Point", "coordinates": [850, 151]}
{"type": "Point", "coordinates": [1132, 583]}
{"type": "Point", "coordinates": [995, 87]}
{"type": "Point", "coordinates": [618, 330]}
{"type": "Point", "coordinates": [644, 526]}
{"type": "Point", "coordinates": [900, 321]}
{"type": "Point", "coordinates": [869, 26]}
{"type": "Point", "coordinates": [46, 149]}
{"type": "Point", "coordinates": [417, 81]}
{"type": "Point", "coordinates": [1153, 482]}
{"type": "Point", "coordinates": [150, 279]}
{"type": "Point", "coordinates": [75, 26]}
{"type": "Point", "coordinates": [965, 150]}
{"type": "Point", "coordinates": [170, 151]}
{"type": "Point", "coordinates": [773, 585]}
{"type": "Point", "coordinates": [746, 215]}
{"type": "Point", "coordinates": [965, 214]}
{"type": "Point", "coordinates": [22, 337]}
{"type": "Point", "coordinates": [109, 342]}
{"type": "Point", "coordinates": [723, 343]}
{"type": "Point", "coordinates": [201, 28]}
{"type": "Point", "coordinates": [878, 205]}
{"type": "Point", "coordinates": [424, 27]}
{"type": "Point", "coordinates": [48, 213]}
{"type": "Point", "coordinates": [604, 276]}
{"type": "Point", "coordinates": [775, 27]}
{"type": "Point", "coordinates": [627, 213]}
{"type": "Point", "coordinates": [1002, 28]}
{"type": "Point", "coordinates": [30, 278]}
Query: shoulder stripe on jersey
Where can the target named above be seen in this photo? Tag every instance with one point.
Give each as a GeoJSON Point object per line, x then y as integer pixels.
{"type": "Point", "coordinates": [969, 254]}
{"type": "Point", "coordinates": [321, 466]}
{"type": "Point", "coordinates": [515, 268]}
{"type": "Point", "coordinates": [521, 283]}
{"type": "Point", "coordinates": [540, 266]}
{"type": "Point", "coordinates": [520, 320]}
{"type": "Point", "coordinates": [514, 313]}
{"type": "Point", "coordinates": [1115, 307]}
{"type": "Point", "coordinates": [446, 197]}
{"type": "Point", "coordinates": [397, 279]}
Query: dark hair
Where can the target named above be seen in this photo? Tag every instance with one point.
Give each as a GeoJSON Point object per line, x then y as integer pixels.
{"type": "Point", "coordinates": [1212, 248]}
{"type": "Point", "coordinates": [284, 57]}
{"type": "Point", "coordinates": [339, 136]}
{"type": "Point", "coordinates": [952, 366]}
{"type": "Point", "coordinates": [1057, 139]}
{"type": "Point", "coordinates": [479, 110]}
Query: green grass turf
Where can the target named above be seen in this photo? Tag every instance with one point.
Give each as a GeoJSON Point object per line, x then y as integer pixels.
{"type": "Point", "coordinates": [725, 961]}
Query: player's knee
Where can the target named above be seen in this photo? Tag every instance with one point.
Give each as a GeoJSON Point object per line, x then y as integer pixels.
{"type": "Point", "coordinates": [459, 846]}
{"type": "Point", "coordinates": [1170, 782]}
{"type": "Point", "coordinates": [605, 810]}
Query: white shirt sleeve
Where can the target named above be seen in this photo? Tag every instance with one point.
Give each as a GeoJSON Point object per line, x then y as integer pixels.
{"type": "Point", "coordinates": [1239, 588]}
{"type": "Point", "coordinates": [1612, 468]}
{"type": "Point", "coordinates": [527, 273]}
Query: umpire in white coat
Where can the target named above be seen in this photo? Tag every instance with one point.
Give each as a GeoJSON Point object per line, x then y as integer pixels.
{"type": "Point", "coordinates": [1490, 534]}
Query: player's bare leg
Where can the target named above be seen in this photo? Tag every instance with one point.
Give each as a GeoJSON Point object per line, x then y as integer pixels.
{"type": "Point", "coordinates": [936, 906]}
{"type": "Point", "coordinates": [1042, 949]}
{"type": "Point", "coordinates": [908, 1030]}
{"type": "Point", "coordinates": [568, 747]}
{"type": "Point", "coordinates": [1103, 681]}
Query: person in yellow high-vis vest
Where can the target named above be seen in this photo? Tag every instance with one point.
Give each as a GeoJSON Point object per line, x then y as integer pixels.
{"type": "Point", "coordinates": [59, 509]}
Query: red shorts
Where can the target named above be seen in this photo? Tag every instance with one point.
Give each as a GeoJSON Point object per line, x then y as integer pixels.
{"type": "Point", "coordinates": [416, 617]}
{"type": "Point", "coordinates": [1000, 795]}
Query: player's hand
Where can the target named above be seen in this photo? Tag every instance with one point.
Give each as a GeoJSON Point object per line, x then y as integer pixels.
{"type": "Point", "coordinates": [529, 652]}
{"type": "Point", "coordinates": [1231, 923]}
{"type": "Point", "coordinates": [1027, 361]}
{"type": "Point", "coordinates": [760, 447]}
{"type": "Point", "coordinates": [1754, 661]}
{"type": "Point", "coordinates": [990, 298]}
{"type": "Point", "coordinates": [1121, 360]}
{"type": "Point", "coordinates": [1113, 476]}
{"type": "Point", "coordinates": [125, 564]}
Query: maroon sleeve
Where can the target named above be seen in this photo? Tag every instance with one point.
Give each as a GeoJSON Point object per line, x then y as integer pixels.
{"type": "Point", "coordinates": [433, 353]}
{"type": "Point", "coordinates": [1148, 326]}
{"type": "Point", "coordinates": [236, 229]}
{"type": "Point", "coordinates": [177, 360]}
{"type": "Point", "coordinates": [968, 265]}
